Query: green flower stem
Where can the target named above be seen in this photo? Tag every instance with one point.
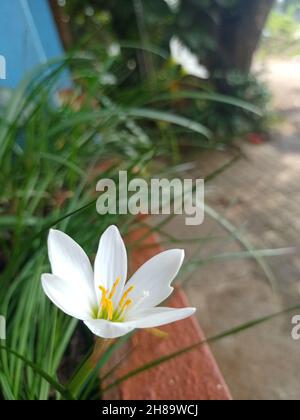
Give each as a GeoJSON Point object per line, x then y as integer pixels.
{"type": "Point", "coordinates": [84, 372]}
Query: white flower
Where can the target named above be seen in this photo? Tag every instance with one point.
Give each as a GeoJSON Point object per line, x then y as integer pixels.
{"type": "Point", "coordinates": [108, 305]}
{"type": "Point", "coordinates": [108, 79]}
{"type": "Point", "coordinates": [173, 4]}
{"type": "Point", "coordinates": [182, 56]}
{"type": "Point", "coordinates": [114, 49]}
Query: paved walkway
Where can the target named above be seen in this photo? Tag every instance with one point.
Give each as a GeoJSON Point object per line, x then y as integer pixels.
{"type": "Point", "coordinates": [261, 196]}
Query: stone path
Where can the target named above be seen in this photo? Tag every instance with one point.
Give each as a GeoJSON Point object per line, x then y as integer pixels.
{"type": "Point", "coordinates": [261, 196]}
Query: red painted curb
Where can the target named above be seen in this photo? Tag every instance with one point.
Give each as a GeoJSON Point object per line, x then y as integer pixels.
{"type": "Point", "coordinates": [191, 376]}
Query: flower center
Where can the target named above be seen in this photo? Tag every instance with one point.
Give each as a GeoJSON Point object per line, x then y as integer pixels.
{"type": "Point", "coordinates": [107, 310]}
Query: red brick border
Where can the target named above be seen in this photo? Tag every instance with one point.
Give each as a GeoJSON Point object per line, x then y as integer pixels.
{"type": "Point", "coordinates": [192, 376]}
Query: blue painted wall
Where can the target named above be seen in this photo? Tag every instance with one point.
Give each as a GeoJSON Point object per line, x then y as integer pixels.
{"type": "Point", "coordinates": [28, 37]}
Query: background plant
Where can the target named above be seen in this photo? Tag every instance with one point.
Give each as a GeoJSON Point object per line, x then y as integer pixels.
{"type": "Point", "coordinates": [281, 35]}
{"type": "Point", "coordinates": [53, 150]}
{"type": "Point", "coordinates": [220, 33]}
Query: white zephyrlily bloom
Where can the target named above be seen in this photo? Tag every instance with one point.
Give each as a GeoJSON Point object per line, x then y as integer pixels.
{"type": "Point", "coordinates": [109, 306]}
{"type": "Point", "coordinates": [173, 4]}
{"type": "Point", "coordinates": [182, 56]}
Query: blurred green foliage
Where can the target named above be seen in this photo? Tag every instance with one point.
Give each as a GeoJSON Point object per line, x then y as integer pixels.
{"type": "Point", "coordinates": [282, 33]}
{"type": "Point", "coordinates": [151, 24]}
{"type": "Point", "coordinates": [194, 21]}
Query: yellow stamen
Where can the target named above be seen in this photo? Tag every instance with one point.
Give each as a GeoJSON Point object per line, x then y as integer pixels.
{"type": "Point", "coordinates": [110, 309]}
{"type": "Point", "coordinates": [106, 309]}
{"type": "Point", "coordinates": [103, 290]}
{"type": "Point", "coordinates": [106, 303]}
{"type": "Point", "coordinates": [125, 306]}
{"type": "Point", "coordinates": [124, 297]}
{"type": "Point", "coordinates": [158, 333]}
{"type": "Point", "coordinates": [114, 288]}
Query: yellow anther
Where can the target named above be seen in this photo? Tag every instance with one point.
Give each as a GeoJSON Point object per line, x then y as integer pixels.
{"type": "Point", "coordinates": [124, 297]}
{"type": "Point", "coordinates": [125, 306]}
{"type": "Point", "coordinates": [158, 333]}
{"type": "Point", "coordinates": [114, 288]}
{"type": "Point", "coordinates": [103, 299]}
{"type": "Point", "coordinates": [127, 303]}
{"type": "Point", "coordinates": [103, 290]}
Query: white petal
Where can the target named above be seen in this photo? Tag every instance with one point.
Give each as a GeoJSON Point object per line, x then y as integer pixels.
{"type": "Point", "coordinates": [161, 316]}
{"type": "Point", "coordinates": [69, 299]}
{"type": "Point", "coordinates": [198, 70]}
{"type": "Point", "coordinates": [111, 262]}
{"type": "Point", "coordinates": [152, 281]}
{"type": "Point", "coordinates": [175, 47]}
{"type": "Point", "coordinates": [70, 263]}
{"type": "Point", "coordinates": [184, 57]}
{"type": "Point", "coordinates": [108, 329]}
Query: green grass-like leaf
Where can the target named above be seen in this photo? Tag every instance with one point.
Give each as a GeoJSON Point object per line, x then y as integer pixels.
{"type": "Point", "coordinates": [56, 385]}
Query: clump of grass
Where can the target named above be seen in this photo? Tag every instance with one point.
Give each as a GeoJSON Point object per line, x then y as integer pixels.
{"type": "Point", "coordinates": [53, 149]}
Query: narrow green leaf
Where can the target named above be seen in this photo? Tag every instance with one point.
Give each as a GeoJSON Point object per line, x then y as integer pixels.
{"type": "Point", "coordinates": [152, 114]}
{"type": "Point", "coordinates": [224, 334]}
{"type": "Point", "coordinates": [207, 96]}
{"type": "Point", "coordinates": [241, 255]}
{"type": "Point", "coordinates": [234, 232]}
{"type": "Point", "coordinates": [57, 386]}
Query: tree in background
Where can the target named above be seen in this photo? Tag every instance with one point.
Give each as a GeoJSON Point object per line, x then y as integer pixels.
{"type": "Point", "coordinates": [225, 33]}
